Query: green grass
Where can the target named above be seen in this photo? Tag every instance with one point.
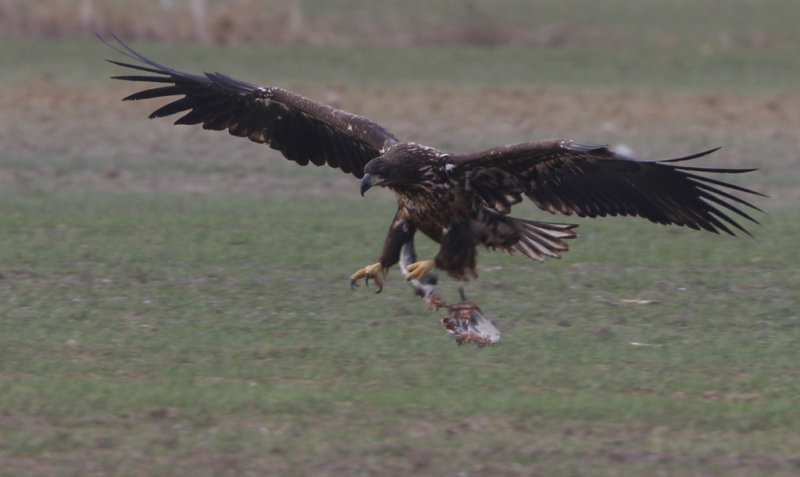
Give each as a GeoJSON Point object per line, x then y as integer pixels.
{"type": "Point", "coordinates": [175, 303]}
{"type": "Point", "coordinates": [234, 311]}
{"type": "Point", "coordinates": [642, 67]}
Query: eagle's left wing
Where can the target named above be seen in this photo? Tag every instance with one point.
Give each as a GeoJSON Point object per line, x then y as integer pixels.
{"type": "Point", "coordinates": [303, 130]}
{"type": "Point", "coordinates": [591, 181]}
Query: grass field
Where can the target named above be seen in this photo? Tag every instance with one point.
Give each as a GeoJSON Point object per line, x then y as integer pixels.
{"type": "Point", "coordinates": [176, 302]}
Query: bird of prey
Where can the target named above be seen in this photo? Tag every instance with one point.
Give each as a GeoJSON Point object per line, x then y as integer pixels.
{"type": "Point", "coordinates": [458, 200]}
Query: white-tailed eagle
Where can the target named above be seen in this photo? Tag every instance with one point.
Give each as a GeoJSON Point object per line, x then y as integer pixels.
{"type": "Point", "coordinates": [459, 201]}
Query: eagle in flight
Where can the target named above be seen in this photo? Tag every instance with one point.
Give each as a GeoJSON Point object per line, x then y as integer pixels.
{"type": "Point", "coordinates": [458, 200]}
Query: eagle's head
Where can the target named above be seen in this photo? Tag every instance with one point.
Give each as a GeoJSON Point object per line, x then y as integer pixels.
{"type": "Point", "coordinates": [402, 165]}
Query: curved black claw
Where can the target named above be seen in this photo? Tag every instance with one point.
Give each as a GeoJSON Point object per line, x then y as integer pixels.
{"type": "Point", "coordinates": [354, 283]}
{"type": "Point", "coordinates": [366, 282]}
{"type": "Point", "coordinates": [374, 271]}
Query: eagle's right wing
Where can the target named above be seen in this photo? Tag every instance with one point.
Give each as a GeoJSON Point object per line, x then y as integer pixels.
{"type": "Point", "coordinates": [566, 177]}
{"type": "Point", "coordinates": [303, 130]}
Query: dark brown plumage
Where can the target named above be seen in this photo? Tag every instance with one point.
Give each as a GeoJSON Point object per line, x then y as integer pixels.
{"type": "Point", "coordinates": [460, 201]}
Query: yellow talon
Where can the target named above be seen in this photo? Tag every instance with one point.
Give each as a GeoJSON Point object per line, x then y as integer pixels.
{"type": "Point", "coordinates": [374, 271]}
{"type": "Point", "coordinates": [419, 269]}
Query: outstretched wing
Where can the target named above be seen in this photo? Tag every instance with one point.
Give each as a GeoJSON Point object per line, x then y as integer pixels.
{"type": "Point", "coordinates": [591, 181]}
{"type": "Point", "coordinates": [301, 129]}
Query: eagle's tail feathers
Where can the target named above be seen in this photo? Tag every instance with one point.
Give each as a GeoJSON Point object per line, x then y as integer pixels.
{"type": "Point", "coordinates": [540, 240]}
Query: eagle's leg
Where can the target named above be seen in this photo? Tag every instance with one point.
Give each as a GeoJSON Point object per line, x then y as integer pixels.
{"type": "Point", "coordinates": [400, 233]}
{"type": "Point", "coordinates": [417, 270]}
{"type": "Point", "coordinates": [425, 287]}
{"type": "Point", "coordinates": [374, 271]}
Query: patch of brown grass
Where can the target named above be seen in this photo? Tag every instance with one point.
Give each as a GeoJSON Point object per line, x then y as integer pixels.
{"type": "Point", "coordinates": [163, 439]}
{"type": "Point", "coordinates": [91, 123]}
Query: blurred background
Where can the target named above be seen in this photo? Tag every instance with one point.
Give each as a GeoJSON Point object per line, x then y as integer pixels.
{"type": "Point", "coordinates": [708, 24]}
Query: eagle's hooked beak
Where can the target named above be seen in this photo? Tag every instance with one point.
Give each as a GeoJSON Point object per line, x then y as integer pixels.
{"type": "Point", "coordinates": [366, 183]}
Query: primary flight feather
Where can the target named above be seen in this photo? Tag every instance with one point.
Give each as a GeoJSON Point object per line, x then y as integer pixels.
{"type": "Point", "coordinates": [460, 201]}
